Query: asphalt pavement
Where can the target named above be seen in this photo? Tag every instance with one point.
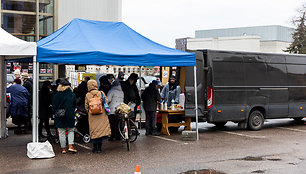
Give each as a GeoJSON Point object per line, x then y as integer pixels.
{"type": "Point", "coordinates": [278, 148]}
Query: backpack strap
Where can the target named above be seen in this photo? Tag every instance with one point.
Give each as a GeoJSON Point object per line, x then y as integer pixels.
{"type": "Point", "coordinates": [103, 98]}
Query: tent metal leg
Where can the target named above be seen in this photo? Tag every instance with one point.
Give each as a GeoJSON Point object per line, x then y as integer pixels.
{"type": "Point", "coordinates": [35, 101]}
{"type": "Point", "coordinates": [3, 98]}
{"type": "Point", "coordinates": [140, 112]}
{"type": "Point", "coordinates": [196, 100]}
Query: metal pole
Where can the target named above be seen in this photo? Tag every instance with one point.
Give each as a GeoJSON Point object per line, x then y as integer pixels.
{"type": "Point", "coordinates": [37, 20]}
{"type": "Point", "coordinates": [35, 102]}
{"type": "Point", "coordinates": [196, 100]}
{"type": "Point", "coordinates": [3, 98]}
{"type": "Point", "coordinates": [37, 99]}
{"type": "Point", "coordinates": [140, 95]}
{"type": "Point", "coordinates": [0, 13]}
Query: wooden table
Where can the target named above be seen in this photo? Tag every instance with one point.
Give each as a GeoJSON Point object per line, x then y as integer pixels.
{"type": "Point", "coordinates": [166, 124]}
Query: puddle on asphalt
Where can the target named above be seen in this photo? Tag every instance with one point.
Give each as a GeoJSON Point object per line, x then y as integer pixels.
{"type": "Point", "coordinates": [274, 159]}
{"type": "Point", "coordinates": [258, 171]}
{"type": "Point", "coordinates": [251, 158]}
{"type": "Point", "coordinates": [203, 171]}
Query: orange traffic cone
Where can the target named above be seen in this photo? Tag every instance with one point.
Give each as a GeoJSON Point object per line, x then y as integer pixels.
{"type": "Point", "coordinates": [137, 169]}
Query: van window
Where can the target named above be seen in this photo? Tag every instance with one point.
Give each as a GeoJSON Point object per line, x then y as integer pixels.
{"type": "Point", "coordinates": [276, 75]}
{"type": "Point", "coordinates": [255, 71]}
{"type": "Point", "coordinates": [229, 71]}
{"type": "Point", "coordinates": [296, 75]}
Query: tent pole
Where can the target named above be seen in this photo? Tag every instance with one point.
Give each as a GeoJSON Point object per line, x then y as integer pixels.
{"type": "Point", "coordinates": [3, 98]}
{"type": "Point", "coordinates": [37, 99]}
{"type": "Point", "coordinates": [35, 102]}
{"type": "Point", "coordinates": [140, 112]}
{"type": "Point", "coordinates": [196, 100]}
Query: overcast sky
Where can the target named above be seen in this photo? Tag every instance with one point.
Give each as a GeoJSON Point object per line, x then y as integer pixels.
{"type": "Point", "coordinates": [165, 20]}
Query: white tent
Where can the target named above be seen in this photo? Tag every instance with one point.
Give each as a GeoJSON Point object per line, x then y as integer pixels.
{"type": "Point", "coordinates": [12, 48]}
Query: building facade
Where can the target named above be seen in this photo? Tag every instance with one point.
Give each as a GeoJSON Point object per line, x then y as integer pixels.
{"type": "Point", "coordinates": [272, 38]}
{"type": "Point", "coordinates": [32, 20]}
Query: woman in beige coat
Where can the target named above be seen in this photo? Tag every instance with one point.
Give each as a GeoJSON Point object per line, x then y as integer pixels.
{"type": "Point", "coordinates": [98, 124]}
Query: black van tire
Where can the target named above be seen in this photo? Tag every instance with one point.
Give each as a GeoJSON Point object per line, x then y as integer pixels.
{"type": "Point", "coordinates": [255, 121]}
{"type": "Point", "coordinates": [220, 124]}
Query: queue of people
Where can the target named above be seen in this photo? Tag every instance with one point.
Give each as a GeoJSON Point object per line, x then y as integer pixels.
{"type": "Point", "coordinates": [61, 97]}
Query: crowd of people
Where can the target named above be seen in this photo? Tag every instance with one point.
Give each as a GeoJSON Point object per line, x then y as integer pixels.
{"type": "Point", "coordinates": [60, 97]}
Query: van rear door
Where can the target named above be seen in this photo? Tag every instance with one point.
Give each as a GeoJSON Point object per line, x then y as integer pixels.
{"type": "Point", "coordinates": [201, 60]}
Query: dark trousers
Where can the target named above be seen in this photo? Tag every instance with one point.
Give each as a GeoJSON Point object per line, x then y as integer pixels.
{"type": "Point", "coordinates": [113, 121]}
{"type": "Point", "coordinates": [97, 140]}
{"type": "Point", "coordinates": [44, 122]}
{"type": "Point", "coordinates": [150, 120]}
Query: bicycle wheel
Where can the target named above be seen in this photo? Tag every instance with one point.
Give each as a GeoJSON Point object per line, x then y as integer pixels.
{"type": "Point", "coordinates": [133, 133]}
{"type": "Point", "coordinates": [124, 130]}
{"type": "Point", "coordinates": [121, 128]}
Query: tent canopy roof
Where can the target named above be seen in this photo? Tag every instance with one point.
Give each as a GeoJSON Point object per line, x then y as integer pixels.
{"type": "Point", "coordinates": [107, 43]}
{"type": "Point", "coordinates": [10, 46]}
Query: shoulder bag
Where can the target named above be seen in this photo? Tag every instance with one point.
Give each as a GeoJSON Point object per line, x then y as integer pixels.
{"type": "Point", "coordinates": [105, 104]}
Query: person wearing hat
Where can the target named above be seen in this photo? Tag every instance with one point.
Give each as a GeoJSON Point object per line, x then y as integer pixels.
{"type": "Point", "coordinates": [150, 98]}
{"type": "Point", "coordinates": [98, 123]}
{"type": "Point", "coordinates": [19, 104]}
{"type": "Point", "coordinates": [105, 85]}
{"type": "Point", "coordinates": [120, 76]}
{"type": "Point", "coordinates": [17, 74]}
{"type": "Point", "coordinates": [65, 99]}
{"type": "Point", "coordinates": [115, 97]}
{"type": "Point", "coordinates": [131, 94]}
{"type": "Point", "coordinates": [171, 91]}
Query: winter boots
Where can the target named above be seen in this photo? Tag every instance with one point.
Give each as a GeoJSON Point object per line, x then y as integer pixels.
{"type": "Point", "coordinates": [97, 148]}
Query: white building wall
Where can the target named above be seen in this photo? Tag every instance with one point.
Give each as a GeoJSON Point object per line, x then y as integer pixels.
{"type": "Point", "coordinates": [102, 10]}
{"type": "Point", "coordinates": [273, 46]}
{"type": "Point", "coordinates": [243, 43]}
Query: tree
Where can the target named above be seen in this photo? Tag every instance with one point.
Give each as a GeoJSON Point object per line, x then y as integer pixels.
{"type": "Point", "coordinates": [298, 46]}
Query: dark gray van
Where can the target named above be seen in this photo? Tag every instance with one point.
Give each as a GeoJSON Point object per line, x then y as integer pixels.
{"type": "Point", "coordinates": [247, 87]}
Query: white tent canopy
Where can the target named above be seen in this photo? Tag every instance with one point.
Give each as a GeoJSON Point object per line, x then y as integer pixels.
{"type": "Point", "coordinates": [11, 47]}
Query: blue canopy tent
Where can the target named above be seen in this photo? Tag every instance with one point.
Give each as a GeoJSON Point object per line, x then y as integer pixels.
{"type": "Point", "coordinates": [107, 43]}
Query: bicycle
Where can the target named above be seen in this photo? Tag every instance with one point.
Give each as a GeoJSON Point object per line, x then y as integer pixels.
{"type": "Point", "coordinates": [127, 129]}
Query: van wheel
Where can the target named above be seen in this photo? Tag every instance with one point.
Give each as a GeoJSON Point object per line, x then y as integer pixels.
{"type": "Point", "coordinates": [256, 121]}
{"type": "Point", "coordinates": [220, 124]}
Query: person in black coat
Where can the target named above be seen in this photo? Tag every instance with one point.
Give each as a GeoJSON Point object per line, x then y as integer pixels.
{"type": "Point", "coordinates": [131, 93]}
{"type": "Point", "coordinates": [65, 99]}
{"type": "Point", "coordinates": [28, 84]}
{"type": "Point", "coordinates": [150, 98]}
{"type": "Point", "coordinates": [45, 111]}
{"type": "Point", "coordinates": [105, 85]}
{"type": "Point", "coordinates": [81, 92]}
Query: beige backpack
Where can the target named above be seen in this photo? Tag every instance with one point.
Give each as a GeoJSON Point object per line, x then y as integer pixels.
{"type": "Point", "coordinates": [95, 105]}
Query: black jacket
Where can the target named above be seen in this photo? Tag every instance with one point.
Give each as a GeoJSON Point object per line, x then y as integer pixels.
{"type": "Point", "coordinates": [45, 101]}
{"type": "Point", "coordinates": [131, 93]}
{"type": "Point", "coordinates": [150, 97]}
{"type": "Point", "coordinates": [28, 84]}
